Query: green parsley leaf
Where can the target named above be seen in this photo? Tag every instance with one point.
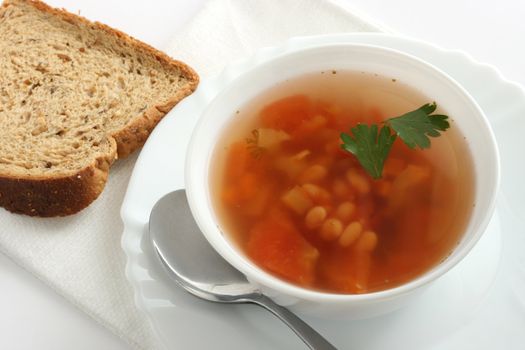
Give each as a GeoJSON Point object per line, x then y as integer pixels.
{"type": "Point", "coordinates": [415, 127]}
{"type": "Point", "coordinates": [370, 147]}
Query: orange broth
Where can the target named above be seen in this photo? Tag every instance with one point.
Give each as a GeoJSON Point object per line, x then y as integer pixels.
{"type": "Point", "coordinates": [304, 210]}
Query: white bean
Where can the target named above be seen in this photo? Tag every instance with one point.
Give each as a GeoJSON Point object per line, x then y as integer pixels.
{"type": "Point", "coordinates": [316, 193]}
{"type": "Point", "coordinates": [367, 242]}
{"type": "Point", "coordinates": [350, 234]}
{"type": "Point", "coordinates": [358, 181]}
{"type": "Point", "coordinates": [331, 229]}
{"type": "Point", "coordinates": [315, 217]}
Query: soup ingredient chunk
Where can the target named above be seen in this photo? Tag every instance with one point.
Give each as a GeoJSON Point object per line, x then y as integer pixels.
{"type": "Point", "coordinates": [336, 212]}
{"type": "Point", "coordinates": [276, 245]}
{"type": "Point", "coordinates": [372, 145]}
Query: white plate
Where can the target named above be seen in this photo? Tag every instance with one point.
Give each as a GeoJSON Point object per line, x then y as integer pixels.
{"type": "Point", "coordinates": [480, 304]}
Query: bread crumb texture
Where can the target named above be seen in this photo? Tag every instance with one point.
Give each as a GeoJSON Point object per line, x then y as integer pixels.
{"type": "Point", "coordinates": [74, 96]}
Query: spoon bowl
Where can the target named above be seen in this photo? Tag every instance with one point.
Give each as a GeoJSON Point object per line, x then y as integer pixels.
{"type": "Point", "coordinates": [188, 255]}
{"type": "Point", "coordinates": [200, 270]}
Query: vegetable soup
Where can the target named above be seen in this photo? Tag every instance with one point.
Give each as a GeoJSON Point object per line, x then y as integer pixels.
{"type": "Point", "coordinates": [305, 210]}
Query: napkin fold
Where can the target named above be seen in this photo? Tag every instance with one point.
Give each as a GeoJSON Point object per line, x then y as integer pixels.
{"type": "Point", "coordinates": [80, 256]}
{"type": "Point", "coordinates": [227, 30]}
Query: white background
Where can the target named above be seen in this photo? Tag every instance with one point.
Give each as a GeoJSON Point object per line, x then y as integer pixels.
{"type": "Point", "coordinates": [32, 316]}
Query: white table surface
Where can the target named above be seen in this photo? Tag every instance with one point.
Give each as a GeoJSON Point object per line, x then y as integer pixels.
{"type": "Point", "coordinates": [34, 317]}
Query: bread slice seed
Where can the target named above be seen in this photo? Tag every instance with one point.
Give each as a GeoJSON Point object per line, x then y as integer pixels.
{"type": "Point", "coordinates": [74, 96]}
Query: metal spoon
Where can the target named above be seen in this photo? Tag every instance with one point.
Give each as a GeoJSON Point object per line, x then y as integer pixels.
{"type": "Point", "coordinates": [199, 269]}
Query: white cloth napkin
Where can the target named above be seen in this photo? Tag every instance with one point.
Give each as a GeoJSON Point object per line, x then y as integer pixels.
{"type": "Point", "coordinates": [227, 30]}
{"type": "Point", "coordinates": [80, 256]}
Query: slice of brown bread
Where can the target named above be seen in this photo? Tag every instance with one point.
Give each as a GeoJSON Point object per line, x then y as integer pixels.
{"type": "Point", "coordinates": [74, 96]}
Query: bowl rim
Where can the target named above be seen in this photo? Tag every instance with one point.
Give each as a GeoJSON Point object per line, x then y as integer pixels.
{"type": "Point", "coordinates": [231, 254]}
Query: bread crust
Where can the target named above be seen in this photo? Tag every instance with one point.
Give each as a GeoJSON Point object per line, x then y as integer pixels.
{"type": "Point", "coordinates": [49, 196]}
{"type": "Point", "coordinates": [137, 131]}
{"type": "Point", "coordinates": [57, 196]}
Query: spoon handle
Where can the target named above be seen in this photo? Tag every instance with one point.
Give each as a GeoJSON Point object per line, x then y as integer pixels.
{"type": "Point", "coordinates": [314, 340]}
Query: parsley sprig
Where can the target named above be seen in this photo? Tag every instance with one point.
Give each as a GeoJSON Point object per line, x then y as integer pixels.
{"type": "Point", "coordinates": [371, 144]}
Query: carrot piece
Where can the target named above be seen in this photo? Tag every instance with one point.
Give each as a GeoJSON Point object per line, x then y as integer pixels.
{"type": "Point", "coordinates": [337, 270]}
{"type": "Point", "coordinates": [288, 113]}
{"type": "Point", "coordinates": [248, 184]}
{"type": "Point", "coordinates": [237, 161]}
{"type": "Point", "coordinates": [245, 191]}
{"type": "Point", "coordinates": [383, 187]}
{"type": "Point", "coordinates": [277, 246]}
{"type": "Point", "coordinates": [230, 195]}
{"type": "Point", "coordinates": [257, 205]}
{"type": "Point", "coordinates": [345, 271]}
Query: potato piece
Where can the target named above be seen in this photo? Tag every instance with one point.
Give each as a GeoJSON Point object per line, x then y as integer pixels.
{"type": "Point", "coordinates": [318, 194]}
{"type": "Point", "coordinates": [290, 166]}
{"type": "Point", "coordinates": [271, 138]}
{"type": "Point", "coordinates": [314, 173]}
{"type": "Point", "coordinates": [297, 200]}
